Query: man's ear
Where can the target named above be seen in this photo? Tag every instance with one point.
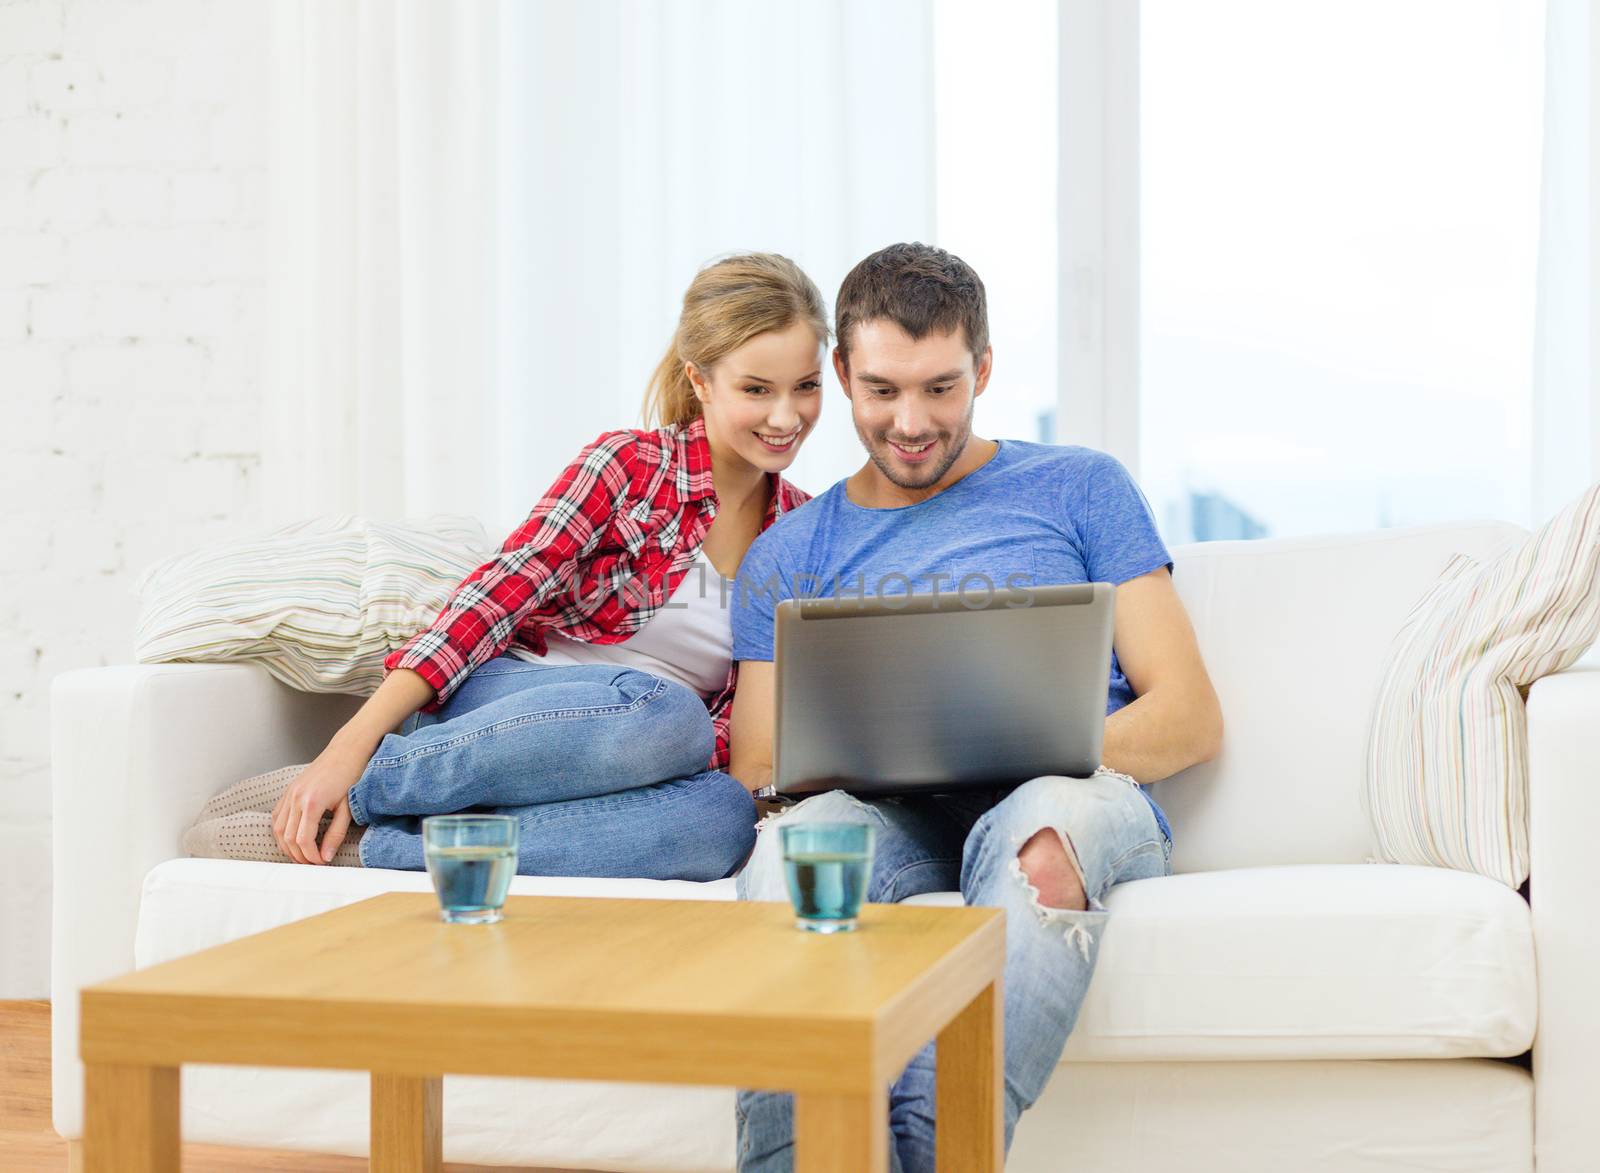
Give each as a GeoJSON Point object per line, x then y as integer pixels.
{"type": "Point", "coordinates": [985, 366]}
{"type": "Point", "coordinates": [841, 367]}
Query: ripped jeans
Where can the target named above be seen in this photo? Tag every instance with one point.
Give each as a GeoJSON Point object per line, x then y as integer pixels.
{"type": "Point", "coordinates": [937, 843]}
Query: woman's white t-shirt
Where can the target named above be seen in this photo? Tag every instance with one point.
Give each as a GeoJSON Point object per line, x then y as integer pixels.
{"type": "Point", "coordinates": [689, 640]}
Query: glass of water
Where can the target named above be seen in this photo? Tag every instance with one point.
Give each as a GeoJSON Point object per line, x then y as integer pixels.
{"type": "Point", "coordinates": [471, 859]}
{"type": "Point", "coordinates": [827, 865]}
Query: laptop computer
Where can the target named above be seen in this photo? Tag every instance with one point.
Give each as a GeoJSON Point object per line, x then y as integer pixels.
{"type": "Point", "coordinates": [904, 693]}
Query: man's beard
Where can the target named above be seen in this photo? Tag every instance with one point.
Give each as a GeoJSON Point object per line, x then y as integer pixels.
{"type": "Point", "coordinates": [878, 449]}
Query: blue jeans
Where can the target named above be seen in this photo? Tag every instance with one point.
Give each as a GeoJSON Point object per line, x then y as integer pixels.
{"type": "Point", "coordinates": [934, 843]}
{"type": "Point", "coordinates": [603, 766]}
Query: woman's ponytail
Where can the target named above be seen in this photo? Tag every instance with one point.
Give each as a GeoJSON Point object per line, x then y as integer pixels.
{"type": "Point", "coordinates": [670, 398]}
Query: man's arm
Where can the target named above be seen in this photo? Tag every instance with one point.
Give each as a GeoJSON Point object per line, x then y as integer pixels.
{"type": "Point", "coordinates": [1176, 720]}
{"type": "Point", "coordinates": [750, 751]}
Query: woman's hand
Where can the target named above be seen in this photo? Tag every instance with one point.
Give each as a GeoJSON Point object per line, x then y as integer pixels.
{"type": "Point", "coordinates": [322, 786]}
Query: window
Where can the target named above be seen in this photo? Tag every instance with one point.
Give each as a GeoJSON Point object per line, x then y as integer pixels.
{"type": "Point", "coordinates": [1338, 257]}
{"type": "Point", "coordinates": [995, 187]}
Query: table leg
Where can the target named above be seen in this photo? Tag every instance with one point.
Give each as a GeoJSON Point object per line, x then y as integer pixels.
{"type": "Point", "coordinates": [969, 1128]}
{"type": "Point", "coordinates": [130, 1121]}
{"type": "Point", "coordinates": [841, 1132]}
{"type": "Point", "coordinates": [407, 1124]}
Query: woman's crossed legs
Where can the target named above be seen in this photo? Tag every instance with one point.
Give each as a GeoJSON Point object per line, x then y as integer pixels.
{"type": "Point", "coordinates": [604, 767]}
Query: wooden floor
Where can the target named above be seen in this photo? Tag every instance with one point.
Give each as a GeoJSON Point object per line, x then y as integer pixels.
{"type": "Point", "coordinates": [28, 1141]}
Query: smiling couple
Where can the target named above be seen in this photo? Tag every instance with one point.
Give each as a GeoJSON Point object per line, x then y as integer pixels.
{"type": "Point", "coordinates": [591, 680]}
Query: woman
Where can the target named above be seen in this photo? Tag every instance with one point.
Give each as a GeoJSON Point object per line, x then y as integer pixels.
{"type": "Point", "coordinates": [582, 680]}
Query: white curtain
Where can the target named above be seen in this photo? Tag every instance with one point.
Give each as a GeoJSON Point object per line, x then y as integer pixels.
{"type": "Point", "coordinates": [485, 214]}
{"type": "Point", "coordinates": [1566, 396]}
{"type": "Point", "coordinates": [382, 387]}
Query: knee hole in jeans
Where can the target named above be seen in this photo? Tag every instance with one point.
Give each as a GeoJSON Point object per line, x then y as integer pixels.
{"type": "Point", "coordinates": [1048, 883]}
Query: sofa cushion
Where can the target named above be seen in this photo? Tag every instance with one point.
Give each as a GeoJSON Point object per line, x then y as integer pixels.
{"type": "Point", "coordinates": [1333, 961]}
{"type": "Point", "coordinates": [1447, 764]}
{"type": "Point", "coordinates": [1293, 632]}
{"type": "Point", "coordinates": [1323, 961]}
{"type": "Point", "coordinates": [318, 604]}
{"type": "Point", "coordinates": [192, 904]}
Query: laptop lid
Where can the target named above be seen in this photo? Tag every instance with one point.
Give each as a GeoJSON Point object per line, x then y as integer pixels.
{"type": "Point", "coordinates": [898, 693]}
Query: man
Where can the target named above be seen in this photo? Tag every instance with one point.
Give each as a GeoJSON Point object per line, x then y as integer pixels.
{"type": "Point", "coordinates": [935, 505]}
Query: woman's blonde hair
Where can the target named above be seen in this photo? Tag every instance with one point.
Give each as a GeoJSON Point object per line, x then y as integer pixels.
{"type": "Point", "coordinates": [728, 303]}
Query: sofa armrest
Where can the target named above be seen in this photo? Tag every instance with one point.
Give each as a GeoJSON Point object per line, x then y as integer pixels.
{"type": "Point", "coordinates": [1564, 816]}
{"type": "Point", "coordinates": [135, 752]}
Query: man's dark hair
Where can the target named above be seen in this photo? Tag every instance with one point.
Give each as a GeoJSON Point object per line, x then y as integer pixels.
{"type": "Point", "coordinates": [919, 288]}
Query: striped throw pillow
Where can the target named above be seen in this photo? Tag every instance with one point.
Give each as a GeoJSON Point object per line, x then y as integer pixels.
{"type": "Point", "coordinates": [319, 604]}
{"type": "Point", "coordinates": [1447, 781]}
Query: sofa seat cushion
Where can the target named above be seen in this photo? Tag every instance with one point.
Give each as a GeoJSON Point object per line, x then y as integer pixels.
{"type": "Point", "coordinates": [1335, 961]}
{"type": "Point", "coordinates": [1315, 961]}
{"type": "Point", "coordinates": [192, 904]}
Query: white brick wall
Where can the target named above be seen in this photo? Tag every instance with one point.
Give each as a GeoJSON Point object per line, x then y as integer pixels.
{"type": "Point", "coordinates": [133, 154]}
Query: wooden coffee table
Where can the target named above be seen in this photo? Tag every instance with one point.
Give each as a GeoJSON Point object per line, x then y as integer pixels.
{"type": "Point", "coordinates": [666, 991]}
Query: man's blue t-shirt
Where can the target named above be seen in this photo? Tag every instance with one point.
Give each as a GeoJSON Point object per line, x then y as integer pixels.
{"type": "Point", "coordinates": [1032, 515]}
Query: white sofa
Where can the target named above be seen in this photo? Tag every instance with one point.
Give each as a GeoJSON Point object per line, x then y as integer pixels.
{"type": "Point", "coordinates": [1279, 1003]}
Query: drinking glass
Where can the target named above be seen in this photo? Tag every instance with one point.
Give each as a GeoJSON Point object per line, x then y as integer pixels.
{"type": "Point", "coordinates": [827, 865]}
{"type": "Point", "coordinates": [471, 859]}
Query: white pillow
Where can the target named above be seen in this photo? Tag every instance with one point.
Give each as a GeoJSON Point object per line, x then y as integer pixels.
{"type": "Point", "coordinates": [1447, 781]}
{"type": "Point", "coordinates": [319, 604]}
